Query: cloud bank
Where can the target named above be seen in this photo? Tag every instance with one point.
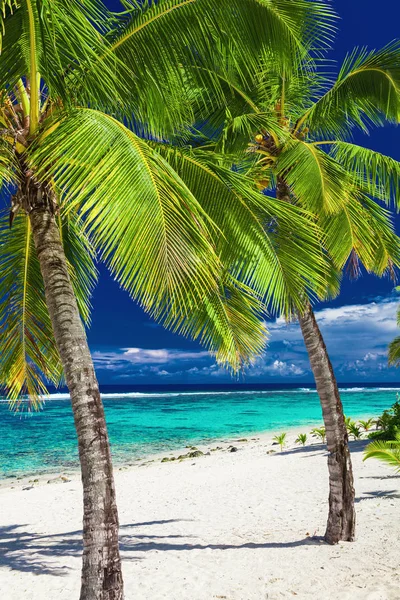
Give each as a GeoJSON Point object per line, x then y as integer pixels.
{"type": "Point", "coordinates": [356, 336]}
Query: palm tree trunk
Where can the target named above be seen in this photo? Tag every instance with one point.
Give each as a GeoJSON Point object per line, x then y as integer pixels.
{"type": "Point", "coordinates": [341, 517]}
{"type": "Point", "coordinates": [101, 568]}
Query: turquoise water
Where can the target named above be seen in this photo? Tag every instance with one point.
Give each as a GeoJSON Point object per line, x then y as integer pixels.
{"type": "Point", "coordinates": [144, 423]}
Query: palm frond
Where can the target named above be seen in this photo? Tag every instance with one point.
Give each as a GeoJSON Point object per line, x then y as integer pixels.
{"type": "Point", "coordinates": [199, 36]}
{"type": "Point", "coordinates": [81, 257]}
{"type": "Point", "coordinates": [271, 246]}
{"type": "Point", "coordinates": [6, 7]}
{"type": "Point", "coordinates": [145, 222]}
{"type": "Point", "coordinates": [394, 352]}
{"type": "Point", "coordinates": [8, 165]}
{"type": "Point", "coordinates": [361, 227]}
{"type": "Point", "coordinates": [315, 179]}
{"type": "Point", "coordinates": [387, 452]}
{"type": "Point", "coordinates": [387, 243]}
{"type": "Point", "coordinates": [29, 357]}
{"type": "Point", "coordinates": [64, 39]}
{"type": "Point", "coordinates": [228, 323]}
{"type": "Point", "coordinates": [252, 26]}
{"type": "Point", "coordinates": [377, 173]}
{"type": "Point", "coordinates": [239, 131]}
{"type": "Point", "coordinates": [365, 92]}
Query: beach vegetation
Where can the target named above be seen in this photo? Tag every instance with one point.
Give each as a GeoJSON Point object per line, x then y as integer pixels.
{"type": "Point", "coordinates": [350, 424]}
{"type": "Point", "coordinates": [280, 439]}
{"type": "Point", "coordinates": [394, 346]}
{"type": "Point", "coordinates": [354, 430]}
{"type": "Point", "coordinates": [291, 129]}
{"type": "Point", "coordinates": [366, 424]}
{"type": "Point", "coordinates": [319, 433]}
{"type": "Point", "coordinates": [301, 439]}
{"type": "Point", "coordinates": [388, 423]}
{"type": "Point", "coordinates": [91, 106]}
{"type": "Point", "coordinates": [387, 451]}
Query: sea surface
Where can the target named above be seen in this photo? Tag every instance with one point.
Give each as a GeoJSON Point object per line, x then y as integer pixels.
{"type": "Point", "coordinates": [148, 421]}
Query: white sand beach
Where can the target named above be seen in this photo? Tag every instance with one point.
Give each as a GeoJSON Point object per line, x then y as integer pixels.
{"type": "Point", "coordinates": [243, 525]}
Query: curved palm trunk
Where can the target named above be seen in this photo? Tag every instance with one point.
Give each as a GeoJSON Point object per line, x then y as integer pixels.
{"type": "Point", "coordinates": [341, 517]}
{"type": "Point", "coordinates": [101, 568]}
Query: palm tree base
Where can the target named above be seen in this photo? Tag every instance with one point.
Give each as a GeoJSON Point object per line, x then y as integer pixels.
{"type": "Point", "coordinates": [342, 517]}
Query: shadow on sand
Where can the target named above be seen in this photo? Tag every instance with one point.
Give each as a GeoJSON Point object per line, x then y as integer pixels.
{"type": "Point", "coordinates": [378, 494]}
{"type": "Point", "coordinates": [22, 550]}
{"type": "Point", "coordinates": [313, 449]}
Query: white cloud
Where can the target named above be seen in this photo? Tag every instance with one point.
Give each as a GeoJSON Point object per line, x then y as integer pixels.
{"type": "Point", "coordinates": [144, 356]}
{"type": "Point", "coordinates": [357, 337]}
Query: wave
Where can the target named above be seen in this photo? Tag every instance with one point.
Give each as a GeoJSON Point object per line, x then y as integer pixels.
{"type": "Point", "coordinates": [122, 395]}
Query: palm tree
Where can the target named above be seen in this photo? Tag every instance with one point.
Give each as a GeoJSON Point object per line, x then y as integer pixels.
{"type": "Point", "coordinates": [385, 451]}
{"type": "Point", "coordinates": [79, 85]}
{"type": "Point", "coordinates": [354, 431]}
{"type": "Point", "coordinates": [366, 424]}
{"type": "Point", "coordinates": [301, 439]}
{"type": "Point", "coordinates": [319, 432]}
{"type": "Point", "coordinates": [288, 128]}
{"type": "Point", "coordinates": [280, 439]}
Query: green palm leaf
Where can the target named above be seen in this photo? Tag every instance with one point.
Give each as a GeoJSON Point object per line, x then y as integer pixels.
{"type": "Point", "coordinates": [394, 347]}
{"type": "Point", "coordinates": [193, 34]}
{"type": "Point", "coordinates": [81, 258]}
{"type": "Point", "coordinates": [228, 323]}
{"type": "Point", "coordinates": [279, 263]}
{"type": "Point", "coordinates": [252, 26]}
{"type": "Point", "coordinates": [394, 352]}
{"type": "Point", "coordinates": [29, 356]}
{"type": "Point", "coordinates": [142, 218]}
{"type": "Point", "coordinates": [28, 350]}
{"type": "Point", "coordinates": [385, 451]}
{"type": "Point", "coordinates": [362, 227]}
{"type": "Point", "coordinates": [62, 39]}
{"type": "Point", "coordinates": [317, 182]}
{"type": "Point", "coordinates": [377, 173]}
{"type": "Point", "coordinates": [366, 91]}
{"type": "Point", "coordinates": [6, 7]}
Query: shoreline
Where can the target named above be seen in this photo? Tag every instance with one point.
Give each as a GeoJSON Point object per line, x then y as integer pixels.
{"type": "Point", "coordinates": [243, 525]}
{"type": "Point", "coordinates": [265, 437]}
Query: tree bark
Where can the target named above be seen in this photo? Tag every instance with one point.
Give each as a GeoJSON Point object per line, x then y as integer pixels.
{"type": "Point", "coordinates": [341, 517]}
{"type": "Point", "coordinates": [101, 564]}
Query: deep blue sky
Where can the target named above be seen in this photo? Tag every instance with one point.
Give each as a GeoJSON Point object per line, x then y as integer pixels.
{"type": "Point", "coordinates": [357, 337]}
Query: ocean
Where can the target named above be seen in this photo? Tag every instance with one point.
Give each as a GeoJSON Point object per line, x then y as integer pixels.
{"type": "Point", "coordinates": [154, 420]}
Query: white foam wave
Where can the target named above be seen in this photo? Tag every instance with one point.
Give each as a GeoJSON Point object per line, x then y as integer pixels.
{"type": "Point", "coordinates": [121, 395]}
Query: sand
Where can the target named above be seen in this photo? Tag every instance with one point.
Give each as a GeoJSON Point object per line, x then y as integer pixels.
{"type": "Point", "coordinates": [243, 525]}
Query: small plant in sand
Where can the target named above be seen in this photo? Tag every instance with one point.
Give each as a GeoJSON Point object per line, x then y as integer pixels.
{"type": "Point", "coordinates": [354, 431]}
{"type": "Point", "coordinates": [349, 422]}
{"type": "Point", "coordinates": [301, 439]}
{"type": "Point", "coordinates": [366, 425]}
{"type": "Point", "coordinates": [281, 440]}
{"type": "Point", "coordinates": [319, 433]}
{"type": "Point", "coordinates": [387, 451]}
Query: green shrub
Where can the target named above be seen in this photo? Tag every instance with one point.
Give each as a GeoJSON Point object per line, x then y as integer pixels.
{"type": "Point", "coordinates": [388, 423]}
